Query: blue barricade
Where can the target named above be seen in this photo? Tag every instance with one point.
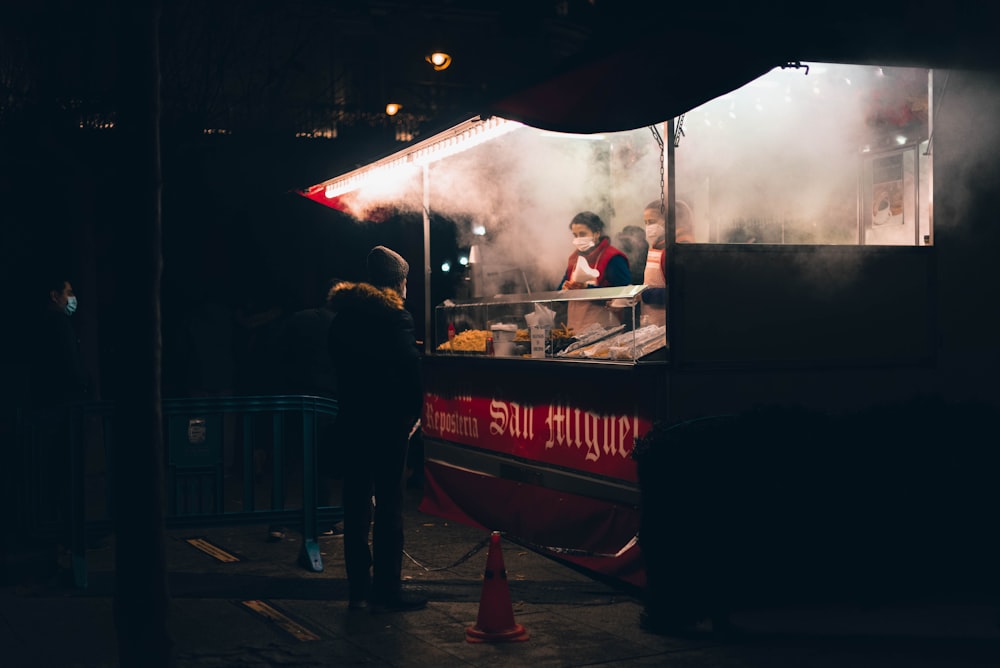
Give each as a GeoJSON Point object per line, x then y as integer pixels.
{"type": "Point", "coordinates": [228, 460]}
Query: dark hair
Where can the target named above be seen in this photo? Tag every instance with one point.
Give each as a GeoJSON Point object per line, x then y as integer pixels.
{"type": "Point", "coordinates": [684, 215]}
{"type": "Point", "coordinates": [54, 283]}
{"type": "Point", "coordinates": [589, 219]}
{"type": "Point", "coordinates": [633, 231]}
{"type": "Point", "coordinates": [657, 206]}
{"type": "Point", "coordinates": [632, 241]}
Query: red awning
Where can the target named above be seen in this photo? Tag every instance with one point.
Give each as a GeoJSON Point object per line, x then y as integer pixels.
{"type": "Point", "coordinates": [636, 86]}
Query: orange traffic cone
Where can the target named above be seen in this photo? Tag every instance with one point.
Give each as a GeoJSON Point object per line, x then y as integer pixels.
{"type": "Point", "coordinates": [496, 614]}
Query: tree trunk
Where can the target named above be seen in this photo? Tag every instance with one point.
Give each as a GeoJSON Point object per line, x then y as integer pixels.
{"type": "Point", "coordinates": [141, 594]}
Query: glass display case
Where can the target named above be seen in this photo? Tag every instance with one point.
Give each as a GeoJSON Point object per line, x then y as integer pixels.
{"type": "Point", "coordinates": [595, 324]}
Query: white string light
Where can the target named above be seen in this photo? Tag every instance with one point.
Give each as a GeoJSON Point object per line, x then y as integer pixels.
{"type": "Point", "coordinates": [403, 164]}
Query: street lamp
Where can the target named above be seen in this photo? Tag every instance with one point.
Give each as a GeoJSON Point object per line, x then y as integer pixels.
{"type": "Point", "coordinates": [439, 60]}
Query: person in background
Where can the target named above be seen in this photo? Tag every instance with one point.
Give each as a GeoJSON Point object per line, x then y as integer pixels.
{"type": "Point", "coordinates": [594, 264]}
{"type": "Point", "coordinates": [57, 378]}
{"type": "Point", "coordinates": [259, 320]}
{"type": "Point", "coordinates": [654, 298]}
{"type": "Point", "coordinates": [308, 370]}
{"type": "Point", "coordinates": [375, 355]}
{"type": "Point", "coordinates": [199, 358]}
{"type": "Point", "coordinates": [58, 375]}
{"type": "Point", "coordinates": [305, 358]}
{"type": "Point", "coordinates": [632, 241]}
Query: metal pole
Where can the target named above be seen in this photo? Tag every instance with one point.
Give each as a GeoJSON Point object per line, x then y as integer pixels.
{"type": "Point", "coordinates": [861, 201]}
{"type": "Point", "coordinates": [309, 555]}
{"type": "Point", "coordinates": [663, 404]}
{"type": "Point", "coordinates": [671, 232]}
{"type": "Point", "coordinates": [916, 194]}
{"type": "Point", "coordinates": [428, 324]}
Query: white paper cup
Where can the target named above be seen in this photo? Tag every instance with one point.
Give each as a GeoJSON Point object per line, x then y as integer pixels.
{"type": "Point", "coordinates": [503, 348]}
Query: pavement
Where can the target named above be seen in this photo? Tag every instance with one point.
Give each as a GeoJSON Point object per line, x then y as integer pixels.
{"type": "Point", "coordinates": [258, 607]}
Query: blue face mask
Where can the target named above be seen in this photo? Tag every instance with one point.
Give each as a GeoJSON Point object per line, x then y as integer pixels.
{"type": "Point", "coordinates": [70, 307]}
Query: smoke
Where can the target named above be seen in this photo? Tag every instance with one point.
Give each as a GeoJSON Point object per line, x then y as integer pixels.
{"type": "Point", "coordinates": [518, 195]}
{"type": "Point", "coordinates": [779, 160]}
{"type": "Point", "coordinates": [513, 198]}
{"type": "Point", "coordinates": [785, 151]}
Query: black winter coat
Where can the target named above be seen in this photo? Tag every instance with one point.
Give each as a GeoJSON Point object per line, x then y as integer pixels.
{"type": "Point", "coordinates": [375, 356]}
{"type": "Point", "coordinates": [57, 373]}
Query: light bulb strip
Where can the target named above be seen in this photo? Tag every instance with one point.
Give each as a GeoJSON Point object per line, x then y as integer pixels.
{"type": "Point", "coordinates": [445, 144]}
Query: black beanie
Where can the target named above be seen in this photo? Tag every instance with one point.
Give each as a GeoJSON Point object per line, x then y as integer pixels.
{"type": "Point", "coordinates": [386, 268]}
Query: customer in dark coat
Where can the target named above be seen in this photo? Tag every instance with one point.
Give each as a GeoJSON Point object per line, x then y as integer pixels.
{"type": "Point", "coordinates": [57, 378]}
{"type": "Point", "coordinates": [58, 375]}
{"type": "Point", "coordinates": [377, 362]}
{"type": "Point", "coordinates": [307, 369]}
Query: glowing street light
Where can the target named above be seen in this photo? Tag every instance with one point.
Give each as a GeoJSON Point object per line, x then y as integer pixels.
{"type": "Point", "coordinates": [439, 60]}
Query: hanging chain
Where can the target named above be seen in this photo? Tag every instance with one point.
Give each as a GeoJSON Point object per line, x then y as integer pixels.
{"type": "Point", "coordinates": [663, 202]}
{"type": "Point", "coordinates": [656, 136]}
{"type": "Point", "coordinates": [659, 141]}
{"type": "Point", "coordinates": [679, 131]}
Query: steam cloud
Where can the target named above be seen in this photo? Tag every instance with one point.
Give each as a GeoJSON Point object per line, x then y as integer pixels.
{"type": "Point", "coordinates": [785, 151]}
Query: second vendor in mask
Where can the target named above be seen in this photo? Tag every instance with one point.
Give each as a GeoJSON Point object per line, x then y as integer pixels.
{"type": "Point", "coordinates": [654, 299]}
{"type": "Point", "coordinates": [594, 264]}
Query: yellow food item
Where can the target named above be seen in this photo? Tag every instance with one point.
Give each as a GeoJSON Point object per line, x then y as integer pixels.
{"type": "Point", "coordinates": [522, 335]}
{"type": "Point", "coordinates": [562, 332]}
{"type": "Point", "coordinates": [471, 340]}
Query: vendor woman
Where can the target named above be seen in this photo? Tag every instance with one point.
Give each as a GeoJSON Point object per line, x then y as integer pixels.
{"type": "Point", "coordinates": [654, 299]}
{"type": "Point", "coordinates": [594, 264]}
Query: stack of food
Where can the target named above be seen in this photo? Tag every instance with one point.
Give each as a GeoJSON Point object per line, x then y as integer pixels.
{"type": "Point", "coordinates": [622, 345]}
{"type": "Point", "coordinates": [562, 336]}
{"type": "Point", "coordinates": [469, 341]}
{"type": "Point", "coordinates": [590, 334]}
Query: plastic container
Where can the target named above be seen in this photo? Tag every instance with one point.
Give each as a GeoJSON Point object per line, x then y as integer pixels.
{"type": "Point", "coordinates": [503, 339]}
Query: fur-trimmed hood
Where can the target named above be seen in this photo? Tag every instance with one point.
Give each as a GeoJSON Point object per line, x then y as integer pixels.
{"type": "Point", "coordinates": [364, 298]}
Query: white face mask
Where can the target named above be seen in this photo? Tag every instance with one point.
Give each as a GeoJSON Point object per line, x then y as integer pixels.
{"type": "Point", "coordinates": [403, 294]}
{"type": "Point", "coordinates": [583, 244]}
{"type": "Point", "coordinates": [655, 233]}
{"type": "Point", "coordinates": [70, 306]}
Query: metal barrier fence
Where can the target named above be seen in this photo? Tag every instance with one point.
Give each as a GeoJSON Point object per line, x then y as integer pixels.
{"type": "Point", "coordinates": [229, 460]}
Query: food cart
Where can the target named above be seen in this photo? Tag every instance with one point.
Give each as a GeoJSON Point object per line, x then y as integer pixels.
{"type": "Point", "coordinates": [810, 282]}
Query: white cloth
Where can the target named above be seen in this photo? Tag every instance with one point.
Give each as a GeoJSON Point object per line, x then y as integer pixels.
{"type": "Point", "coordinates": [584, 273]}
{"type": "Point", "coordinates": [581, 314]}
{"type": "Point", "coordinates": [654, 314]}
